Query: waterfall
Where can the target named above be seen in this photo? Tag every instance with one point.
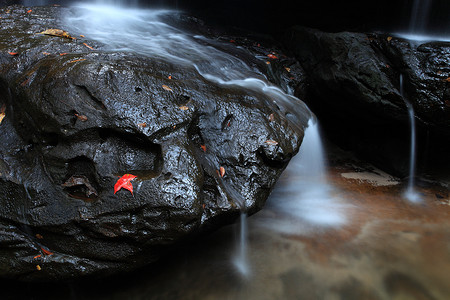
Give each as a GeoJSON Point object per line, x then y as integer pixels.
{"type": "Point", "coordinates": [410, 192]}
{"type": "Point", "coordinates": [419, 16]}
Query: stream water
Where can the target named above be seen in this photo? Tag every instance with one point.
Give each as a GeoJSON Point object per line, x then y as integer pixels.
{"type": "Point", "coordinates": [342, 232]}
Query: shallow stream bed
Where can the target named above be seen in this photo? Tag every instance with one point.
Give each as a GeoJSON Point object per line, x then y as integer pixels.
{"type": "Point", "coordinates": [369, 243]}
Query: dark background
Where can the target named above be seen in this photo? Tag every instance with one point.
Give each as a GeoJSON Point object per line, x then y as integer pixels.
{"type": "Point", "coordinates": [269, 16]}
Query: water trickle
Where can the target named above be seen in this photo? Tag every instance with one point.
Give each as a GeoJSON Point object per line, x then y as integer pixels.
{"type": "Point", "coordinates": [410, 193]}
{"type": "Point", "coordinates": [240, 259]}
{"type": "Point", "coordinates": [303, 194]}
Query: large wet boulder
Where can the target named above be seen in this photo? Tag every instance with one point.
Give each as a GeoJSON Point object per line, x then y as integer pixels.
{"type": "Point", "coordinates": [354, 87]}
{"type": "Point", "coordinates": [76, 119]}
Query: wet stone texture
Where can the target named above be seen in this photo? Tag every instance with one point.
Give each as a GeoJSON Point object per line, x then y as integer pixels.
{"type": "Point", "coordinates": [353, 85]}
{"type": "Point", "coordinates": [77, 119]}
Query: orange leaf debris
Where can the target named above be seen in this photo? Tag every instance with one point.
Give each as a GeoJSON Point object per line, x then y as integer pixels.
{"type": "Point", "coordinates": [57, 32]}
{"type": "Point", "coordinates": [82, 118]}
{"type": "Point", "coordinates": [272, 56]}
{"type": "Point", "coordinates": [76, 60]}
{"type": "Point", "coordinates": [2, 113]}
{"type": "Point", "coordinates": [39, 236]}
{"type": "Point", "coordinates": [64, 53]}
{"type": "Point", "coordinates": [170, 77]}
{"type": "Point", "coordinates": [88, 46]}
{"type": "Point", "coordinates": [222, 171]}
{"type": "Point", "coordinates": [46, 252]}
{"type": "Point", "coordinates": [38, 267]}
{"type": "Point", "coordinates": [143, 125]}
{"type": "Point", "coordinates": [30, 10]}
{"type": "Point", "coordinates": [287, 69]}
{"type": "Point", "coordinates": [203, 148]}
{"type": "Point", "coordinates": [13, 53]}
{"type": "Point", "coordinates": [46, 53]}
{"type": "Point", "coordinates": [271, 142]}
{"type": "Point", "coordinates": [81, 35]}
{"type": "Point", "coordinates": [37, 256]}
{"type": "Point", "coordinates": [389, 38]}
{"type": "Point", "coordinates": [166, 88]}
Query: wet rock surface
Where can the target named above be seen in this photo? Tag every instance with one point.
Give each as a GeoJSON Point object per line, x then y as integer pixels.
{"type": "Point", "coordinates": [76, 119]}
{"type": "Point", "coordinates": [354, 87]}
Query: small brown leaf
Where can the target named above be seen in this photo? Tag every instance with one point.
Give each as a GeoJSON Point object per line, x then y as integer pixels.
{"type": "Point", "coordinates": [64, 53]}
{"type": "Point", "coordinates": [183, 107]}
{"type": "Point", "coordinates": [38, 267]}
{"type": "Point", "coordinates": [272, 56]}
{"type": "Point", "coordinates": [389, 38]}
{"type": "Point", "coordinates": [39, 236]}
{"type": "Point", "coordinates": [267, 62]}
{"type": "Point", "coordinates": [37, 256]}
{"type": "Point", "coordinates": [222, 171]}
{"type": "Point", "coordinates": [447, 79]}
{"type": "Point", "coordinates": [76, 60]}
{"type": "Point", "coordinates": [170, 77]}
{"type": "Point", "coordinates": [2, 113]}
{"type": "Point", "coordinates": [271, 142]}
{"type": "Point", "coordinates": [167, 88]}
{"type": "Point", "coordinates": [46, 53]}
{"type": "Point", "coordinates": [81, 35]}
{"type": "Point", "coordinates": [287, 69]}
{"type": "Point", "coordinates": [271, 117]}
{"type": "Point", "coordinates": [203, 148]}
{"type": "Point", "coordinates": [143, 125]}
{"type": "Point", "coordinates": [88, 46]}
{"type": "Point", "coordinates": [13, 53]}
{"type": "Point", "coordinates": [30, 10]}
{"type": "Point", "coordinates": [82, 118]}
{"type": "Point", "coordinates": [57, 32]}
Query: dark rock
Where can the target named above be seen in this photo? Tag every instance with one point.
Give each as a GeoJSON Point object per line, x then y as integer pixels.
{"type": "Point", "coordinates": [58, 170]}
{"type": "Point", "coordinates": [354, 88]}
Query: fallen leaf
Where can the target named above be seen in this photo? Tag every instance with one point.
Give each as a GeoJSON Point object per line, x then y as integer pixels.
{"type": "Point", "coordinates": [82, 118]}
{"type": "Point", "coordinates": [76, 60]}
{"type": "Point", "coordinates": [271, 117]}
{"type": "Point", "coordinates": [387, 66]}
{"type": "Point", "coordinates": [174, 126]}
{"type": "Point", "coordinates": [259, 45]}
{"type": "Point", "coordinates": [287, 69]}
{"type": "Point", "coordinates": [38, 267]}
{"type": "Point", "coordinates": [272, 56]}
{"type": "Point", "coordinates": [447, 80]}
{"type": "Point", "coordinates": [13, 53]}
{"type": "Point", "coordinates": [389, 38]}
{"type": "Point", "coordinates": [81, 35]}
{"type": "Point", "coordinates": [46, 252]}
{"type": "Point", "coordinates": [57, 32]}
{"type": "Point", "coordinates": [30, 10]}
{"type": "Point", "coordinates": [143, 125]}
{"type": "Point", "coordinates": [267, 62]}
{"type": "Point", "coordinates": [39, 236]}
{"type": "Point", "coordinates": [8, 11]}
{"type": "Point", "coordinates": [46, 53]}
{"type": "Point", "coordinates": [203, 205]}
{"type": "Point", "coordinates": [203, 148]}
{"type": "Point", "coordinates": [88, 46]}
{"type": "Point", "coordinates": [271, 142]}
{"type": "Point", "coordinates": [37, 256]}
{"type": "Point", "coordinates": [222, 171]}
{"type": "Point", "coordinates": [170, 77]}
{"type": "Point", "coordinates": [64, 53]}
{"type": "Point", "coordinates": [183, 107]}
{"type": "Point", "coordinates": [166, 88]}
{"type": "Point", "coordinates": [2, 113]}
{"type": "Point", "coordinates": [232, 41]}
{"type": "Point", "coordinates": [124, 182]}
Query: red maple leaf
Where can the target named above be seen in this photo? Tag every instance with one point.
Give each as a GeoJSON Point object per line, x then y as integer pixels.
{"type": "Point", "coordinates": [124, 182]}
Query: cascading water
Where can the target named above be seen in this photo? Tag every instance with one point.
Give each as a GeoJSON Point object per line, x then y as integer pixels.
{"type": "Point", "coordinates": [303, 194]}
{"type": "Point", "coordinates": [410, 192]}
{"type": "Point", "coordinates": [418, 24]}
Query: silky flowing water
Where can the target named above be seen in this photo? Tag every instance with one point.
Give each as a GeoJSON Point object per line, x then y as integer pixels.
{"type": "Point", "coordinates": [341, 232]}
